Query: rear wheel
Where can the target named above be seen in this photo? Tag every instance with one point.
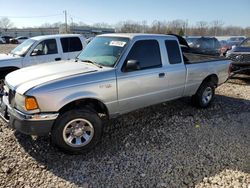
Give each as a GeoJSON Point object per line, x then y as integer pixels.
{"type": "Point", "coordinates": [77, 131]}
{"type": "Point", "coordinates": [205, 95]}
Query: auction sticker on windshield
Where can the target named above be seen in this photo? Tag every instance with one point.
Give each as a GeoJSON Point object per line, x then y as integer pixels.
{"type": "Point", "coordinates": [117, 43]}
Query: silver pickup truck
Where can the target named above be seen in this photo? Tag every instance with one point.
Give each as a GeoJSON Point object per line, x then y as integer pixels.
{"type": "Point", "coordinates": [114, 74]}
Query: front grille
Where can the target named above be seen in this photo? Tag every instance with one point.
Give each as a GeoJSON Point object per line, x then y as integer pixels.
{"type": "Point", "coordinates": [239, 57]}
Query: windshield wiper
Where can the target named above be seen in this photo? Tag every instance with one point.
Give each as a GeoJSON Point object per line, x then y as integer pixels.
{"type": "Point", "coordinates": [91, 62]}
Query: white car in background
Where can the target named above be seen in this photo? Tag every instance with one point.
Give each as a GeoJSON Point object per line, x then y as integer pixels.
{"type": "Point", "coordinates": [41, 49]}
{"type": "Point", "coordinates": [18, 40]}
{"type": "Point", "coordinates": [2, 41]}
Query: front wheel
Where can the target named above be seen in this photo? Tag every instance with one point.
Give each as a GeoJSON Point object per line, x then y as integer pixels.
{"type": "Point", "coordinates": [205, 95]}
{"type": "Point", "coordinates": [77, 131]}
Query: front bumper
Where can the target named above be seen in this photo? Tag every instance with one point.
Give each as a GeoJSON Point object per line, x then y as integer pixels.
{"type": "Point", "coordinates": [35, 124]}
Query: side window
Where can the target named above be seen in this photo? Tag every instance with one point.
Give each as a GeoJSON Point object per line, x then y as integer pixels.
{"type": "Point", "coordinates": [71, 44]}
{"type": "Point", "coordinates": [173, 50]}
{"type": "Point", "coordinates": [45, 47]}
{"type": "Point", "coordinates": [147, 53]}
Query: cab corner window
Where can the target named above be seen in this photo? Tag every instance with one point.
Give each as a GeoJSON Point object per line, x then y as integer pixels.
{"type": "Point", "coordinates": [146, 53]}
{"type": "Point", "coordinates": [173, 50]}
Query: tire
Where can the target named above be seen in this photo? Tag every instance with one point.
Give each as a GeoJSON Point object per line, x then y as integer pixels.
{"type": "Point", "coordinates": [77, 131]}
{"type": "Point", "coordinates": [204, 96]}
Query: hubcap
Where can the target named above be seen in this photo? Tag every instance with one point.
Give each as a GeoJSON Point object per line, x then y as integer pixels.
{"type": "Point", "coordinates": [1, 86]}
{"type": "Point", "coordinates": [207, 95]}
{"type": "Point", "coordinates": [78, 132]}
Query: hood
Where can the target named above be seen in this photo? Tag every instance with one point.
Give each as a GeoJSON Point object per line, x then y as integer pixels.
{"type": "Point", "coordinates": [27, 78]}
{"type": "Point", "coordinates": [6, 57]}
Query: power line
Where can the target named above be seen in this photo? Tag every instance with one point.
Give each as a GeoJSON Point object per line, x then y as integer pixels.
{"type": "Point", "coordinates": [25, 17]}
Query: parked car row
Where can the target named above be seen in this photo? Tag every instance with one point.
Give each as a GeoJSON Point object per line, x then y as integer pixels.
{"type": "Point", "coordinates": [115, 74]}
{"type": "Point", "coordinates": [211, 45]}
{"type": "Point", "coordinates": [9, 39]}
{"type": "Point", "coordinates": [227, 45]}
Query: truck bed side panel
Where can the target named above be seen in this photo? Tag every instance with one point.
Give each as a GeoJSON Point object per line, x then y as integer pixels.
{"type": "Point", "coordinates": [196, 73]}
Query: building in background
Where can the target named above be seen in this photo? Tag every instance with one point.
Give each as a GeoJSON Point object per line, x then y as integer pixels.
{"type": "Point", "coordinates": [86, 31]}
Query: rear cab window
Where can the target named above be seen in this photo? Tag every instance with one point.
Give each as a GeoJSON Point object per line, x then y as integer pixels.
{"type": "Point", "coordinates": [174, 54]}
{"type": "Point", "coordinates": [71, 44]}
{"type": "Point", "coordinates": [147, 53]}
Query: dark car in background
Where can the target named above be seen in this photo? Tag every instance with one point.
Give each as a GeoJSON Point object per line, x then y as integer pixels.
{"type": "Point", "coordinates": [191, 39]}
{"type": "Point", "coordinates": [234, 41]}
{"type": "Point", "coordinates": [207, 45]}
{"type": "Point", "coordinates": [7, 39]}
{"type": "Point", "coordinates": [240, 55]}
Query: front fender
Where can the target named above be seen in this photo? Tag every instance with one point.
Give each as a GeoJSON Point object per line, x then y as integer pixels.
{"type": "Point", "coordinates": [78, 96]}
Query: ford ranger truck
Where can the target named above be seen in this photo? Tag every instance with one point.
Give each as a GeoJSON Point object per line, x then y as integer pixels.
{"type": "Point", "coordinates": [115, 74]}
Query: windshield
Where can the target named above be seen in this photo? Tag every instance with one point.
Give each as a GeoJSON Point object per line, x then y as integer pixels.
{"type": "Point", "coordinates": [23, 48]}
{"type": "Point", "coordinates": [104, 51]}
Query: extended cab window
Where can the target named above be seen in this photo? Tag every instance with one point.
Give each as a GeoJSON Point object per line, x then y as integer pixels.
{"type": "Point", "coordinates": [71, 44]}
{"type": "Point", "coordinates": [173, 50]}
{"type": "Point", "coordinates": [45, 47]}
{"type": "Point", "coordinates": [147, 53]}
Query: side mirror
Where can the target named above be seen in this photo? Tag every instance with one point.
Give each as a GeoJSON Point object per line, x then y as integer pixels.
{"type": "Point", "coordinates": [132, 65]}
{"type": "Point", "coordinates": [36, 52]}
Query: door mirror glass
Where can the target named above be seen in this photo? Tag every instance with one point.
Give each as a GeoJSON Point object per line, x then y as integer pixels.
{"type": "Point", "coordinates": [36, 52]}
{"type": "Point", "coordinates": [132, 65]}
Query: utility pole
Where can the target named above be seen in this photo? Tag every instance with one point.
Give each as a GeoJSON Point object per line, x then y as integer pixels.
{"type": "Point", "coordinates": [186, 25]}
{"type": "Point", "coordinates": [66, 25]}
{"type": "Point", "coordinates": [72, 25]}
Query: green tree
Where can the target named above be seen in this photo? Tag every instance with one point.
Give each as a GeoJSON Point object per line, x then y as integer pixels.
{"type": "Point", "coordinates": [181, 32]}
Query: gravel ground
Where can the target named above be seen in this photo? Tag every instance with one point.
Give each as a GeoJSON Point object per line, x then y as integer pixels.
{"type": "Point", "coordinates": [167, 145]}
{"type": "Point", "coordinates": [6, 48]}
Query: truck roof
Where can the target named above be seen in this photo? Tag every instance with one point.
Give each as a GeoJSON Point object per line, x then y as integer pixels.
{"type": "Point", "coordinates": [55, 36]}
{"type": "Point", "coordinates": [133, 35]}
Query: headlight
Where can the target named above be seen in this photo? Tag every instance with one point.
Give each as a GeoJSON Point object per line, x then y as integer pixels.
{"type": "Point", "coordinates": [26, 103]}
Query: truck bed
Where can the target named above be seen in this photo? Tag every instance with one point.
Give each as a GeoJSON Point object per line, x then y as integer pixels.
{"type": "Point", "coordinates": [191, 58]}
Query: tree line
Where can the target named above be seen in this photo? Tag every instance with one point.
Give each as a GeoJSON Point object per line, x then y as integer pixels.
{"type": "Point", "coordinates": [180, 27]}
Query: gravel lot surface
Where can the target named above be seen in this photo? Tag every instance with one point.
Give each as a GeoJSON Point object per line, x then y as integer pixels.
{"type": "Point", "coordinates": [167, 145]}
{"type": "Point", "coordinates": [6, 48]}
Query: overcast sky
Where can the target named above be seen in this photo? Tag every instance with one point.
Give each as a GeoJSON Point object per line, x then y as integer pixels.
{"type": "Point", "coordinates": [231, 12]}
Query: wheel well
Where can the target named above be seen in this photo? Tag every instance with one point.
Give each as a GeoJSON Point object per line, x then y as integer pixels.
{"type": "Point", "coordinates": [91, 104]}
{"type": "Point", "coordinates": [6, 70]}
{"type": "Point", "coordinates": [212, 78]}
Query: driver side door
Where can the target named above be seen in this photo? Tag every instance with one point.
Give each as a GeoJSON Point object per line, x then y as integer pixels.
{"type": "Point", "coordinates": [147, 85]}
{"type": "Point", "coordinates": [45, 51]}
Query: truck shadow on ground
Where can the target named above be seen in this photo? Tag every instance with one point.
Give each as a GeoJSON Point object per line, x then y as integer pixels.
{"type": "Point", "coordinates": [172, 143]}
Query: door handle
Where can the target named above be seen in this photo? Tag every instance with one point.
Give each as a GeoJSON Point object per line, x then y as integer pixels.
{"type": "Point", "coordinates": [58, 59]}
{"type": "Point", "coordinates": [161, 75]}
